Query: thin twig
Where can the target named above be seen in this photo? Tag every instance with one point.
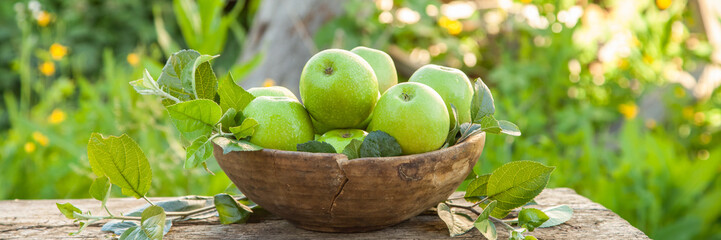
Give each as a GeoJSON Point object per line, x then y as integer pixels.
{"type": "Point", "coordinates": [469, 208]}
{"type": "Point", "coordinates": [501, 222]}
{"type": "Point", "coordinates": [148, 200]}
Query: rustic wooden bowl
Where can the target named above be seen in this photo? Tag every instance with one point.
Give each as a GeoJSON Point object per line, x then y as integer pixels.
{"type": "Point", "coordinates": [329, 193]}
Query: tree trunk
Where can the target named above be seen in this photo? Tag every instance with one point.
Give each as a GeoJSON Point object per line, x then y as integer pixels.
{"type": "Point", "coordinates": [283, 31]}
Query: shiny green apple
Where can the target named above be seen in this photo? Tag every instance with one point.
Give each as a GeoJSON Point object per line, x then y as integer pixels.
{"type": "Point", "coordinates": [382, 65]}
{"type": "Point", "coordinates": [453, 86]}
{"type": "Point", "coordinates": [415, 115]}
{"type": "Point", "coordinates": [340, 138]}
{"type": "Point", "coordinates": [338, 88]}
{"type": "Point", "coordinates": [283, 123]}
{"type": "Point", "coordinates": [273, 91]}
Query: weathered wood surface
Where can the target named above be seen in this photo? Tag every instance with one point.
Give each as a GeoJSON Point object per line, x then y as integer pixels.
{"type": "Point", "coordinates": [23, 219]}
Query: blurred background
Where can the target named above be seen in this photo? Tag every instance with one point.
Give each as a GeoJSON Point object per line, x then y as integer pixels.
{"type": "Point", "coordinates": [621, 96]}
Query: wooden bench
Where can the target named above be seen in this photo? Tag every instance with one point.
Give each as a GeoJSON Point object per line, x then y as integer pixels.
{"type": "Point", "coordinates": [32, 219]}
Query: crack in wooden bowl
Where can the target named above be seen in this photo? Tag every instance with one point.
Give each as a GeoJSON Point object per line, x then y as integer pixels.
{"type": "Point", "coordinates": [327, 192]}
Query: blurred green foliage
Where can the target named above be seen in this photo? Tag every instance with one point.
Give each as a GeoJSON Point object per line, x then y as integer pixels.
{"type": "Point", "coordinates": [65, 68]}
{"type": "Point", "coordinates": [593, 87]}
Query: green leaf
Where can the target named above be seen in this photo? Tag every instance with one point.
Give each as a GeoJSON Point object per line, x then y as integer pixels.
{"type": "Point", "coordinates": [152, 222]}
{"type": "Point", "coordinates": [314, 146]}
{"type": "Point", "coordinates": [467, 130]}
{"type": "Point", "coordinates": [195, 118]}
{"type": "Point", "coordinates": [529, 237]}
{"type": "Point", "coordinates": [230, 118]}
{"type": "Point", "coordinates": [229, 210]}
{"type": "Point", "coordinates": [531, 218]}
{"type": "Point", "coordinates": [489, 124]}
{"type": "Point", "coordinates": [484, 224]}
{"type": "Point", "coordinates": [352, 150]}
{"type": "Point", "coordinates": [175, 78]}
{"type": "Point", "coordinates": [100, 189]}
{"type": "Point", "coordinates": [68, 209]}
{"type": "Point", "coordinates": [477, 187]}
{"type": "Point", "coordinates": [379, 144]}
{"type": "Point", "coordinates": [205, 84]}
{"type": "Point", "coordinates": [147, 85]}
{"type": "Point", "coordinates": [451, 138]}
{"type": "Point", "coordinates": [457, 224]}
{"type": "Point", "coordinates": [557, 215]}
{"type": "Point", "coordinates": [198, 151]}
{"type": "Point", "coordinates": [246, 129]}
{"type": "Point", "coordinates": [516, 183]}
{"type": "Point", "coordinates": [509, 128]}
{"type": "Point", "coordinates": [182, 204]}
{"type": "Point", "coordinates": [230, 145]}
{"type": "Point", "coordinates": [482, 103]}
{"type": "Point", "coordinates": [517, 235]}
{"type": "Point", "coordinates": [135, 233]}
{"type": "Point", "coordinates": [232, 95]}
{"type": "Point", "coordinates": [121, 160]}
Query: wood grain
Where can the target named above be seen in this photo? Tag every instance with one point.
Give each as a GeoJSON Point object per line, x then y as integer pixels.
{"type": "Point", "coordinates": [40, 219]}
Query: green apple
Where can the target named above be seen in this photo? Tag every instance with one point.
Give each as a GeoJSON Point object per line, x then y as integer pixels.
{"type": "Point", "coordinates": [382, 65]}
{"type": "Point", "coordinates": [282, 122]}
{"type": "Point", "coordinates": [453, 86]}
{"type": "Point", "coordinates": [415, 115]}
{"type": "Point", "coordinates": [274, 91]}
{"type": "Point", "coordinates": [338, 88]}
{"type": "Point", "coordinates": [340, 138]}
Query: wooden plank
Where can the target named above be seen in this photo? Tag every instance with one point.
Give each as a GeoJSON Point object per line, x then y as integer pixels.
{"type": "Point", "coordinates": [31, 219]}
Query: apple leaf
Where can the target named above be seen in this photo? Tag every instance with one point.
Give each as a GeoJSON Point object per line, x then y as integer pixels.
{"type": "Point", "coordinates": [557, 215]}
{"type": "Point", "coordinates": [482, 103]}
{"type": "Point", "coordinates": [516, 183]}
{"type": "Point", "coordinates": [178, 76]}
{"type": "Point", "coordinates": [68, 209]}
{"type": "Point", "coordinates": [509, 128]}
{"type": "Point", "coordinates": [484, 224]}
{"type": "Point", "coordinates": [148, 86]}
{"type": "Point", "coordinates": [122, 161]}
{"type": "Point", "coordinates": [467, 130]}
{"type": "Point", "coordinates": [531, 218]}
{"type": "Point", "coordinates": [314, 146]}
{"type": "Point", "coordinates": [379, 144]}
{"type": "Point", "coordinates": [195, 118]}
{"type": "Point", "coordinates": [451, 138]}
{"type": "Point", "coordinates": [198, 151]}
{"type": "Point", "coordinates": [205, 84]}
{"type": "Point", "coordinates": [232, 95]}
{"type": "Point", "coordinates": [458, 224]}
{"type": "Point", "coordinates": [229, 145]}
{"type": "Point", "coordinates": [477, 188]}
{"type": "Point", "coordinates": [229, 210]}
{"type": "Point", "coordinates": [352, 149]}
{"type": "Point", "coordinates": [489, 124]}
{"type": "Point", "coordinates": [100, 190]}
{"type": "Point", "coordinates": [230, 118]}
{"type": "Point", "coordinates": [153, 222]}
{"type": "Point", "coordinates": [246, 129]}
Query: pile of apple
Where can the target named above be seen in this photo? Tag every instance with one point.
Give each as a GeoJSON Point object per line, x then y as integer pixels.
{"type": "Point", "coordinates": [347, 94]}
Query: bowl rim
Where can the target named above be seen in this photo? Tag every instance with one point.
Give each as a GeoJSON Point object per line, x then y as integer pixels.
{"type": "Point", "coordinates": [343, 157]}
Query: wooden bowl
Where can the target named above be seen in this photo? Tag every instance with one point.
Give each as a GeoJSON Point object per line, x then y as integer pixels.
{"type": "Point", "coordinates": [327, 192]}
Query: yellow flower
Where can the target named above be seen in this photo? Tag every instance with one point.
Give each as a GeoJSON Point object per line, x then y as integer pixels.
{"type": "Point", "coordinates": [29, 147]}
{"type": "Point", "coordinates": [58, 51]}
{"type": "Point", "coordinates": [628, 110]}
{"type": "Point", "coordinates": [663, 4]}
{"type": "Point", "coordinates": [47, 68]}
{"type": "Point", "coordinates": [57, 116]}
{"type": "Point", "coordinates": [43, 18]}
{"type": "Point", "coordinates": [268, 82]}
{"type": "Point", "coordinates": [526, 1]}
{"type": "Point", "coordinates": [133, 59]}
{"type": "Point", "coordinates": [454, 27]}
{"type": "Point", "coordinates": [647, 59]}
{"type": "Point", "coordinates": [40, 138]}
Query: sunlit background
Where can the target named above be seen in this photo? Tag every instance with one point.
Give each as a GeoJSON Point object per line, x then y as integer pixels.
{"type": "Point", "coordinates": [621, 96]}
